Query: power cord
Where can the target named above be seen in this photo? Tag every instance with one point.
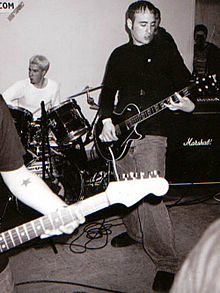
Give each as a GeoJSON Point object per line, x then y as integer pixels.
{"type": "Point", "coordinates": [190, 202]}
{"type": "Point", "coordinates": [67, 283]}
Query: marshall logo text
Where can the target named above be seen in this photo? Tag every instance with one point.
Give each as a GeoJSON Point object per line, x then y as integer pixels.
{"type": "Point", "coordinates": [197, 142]}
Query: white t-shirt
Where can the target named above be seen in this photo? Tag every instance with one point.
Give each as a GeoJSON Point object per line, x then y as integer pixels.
{"type": "Point", "coordinates": [24, 94]}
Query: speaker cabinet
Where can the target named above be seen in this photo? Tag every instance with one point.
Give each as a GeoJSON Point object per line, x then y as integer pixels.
{"type": "Point", "coordinates": [193, 154]}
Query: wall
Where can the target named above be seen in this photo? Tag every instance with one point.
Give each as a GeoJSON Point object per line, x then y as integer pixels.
{"type": "Point", "coordinates": [77, 37]}
{"type": "Point", "coordinates": [208, 13]}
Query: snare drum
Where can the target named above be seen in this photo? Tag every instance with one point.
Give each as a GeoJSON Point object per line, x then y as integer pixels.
{"type": "Point", "coordinates": [22, 119]}
{"type": "Point", "coordinates": [66, 122]}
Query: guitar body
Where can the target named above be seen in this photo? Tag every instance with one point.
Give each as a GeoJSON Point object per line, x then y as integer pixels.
{"type": "Point", "coordinates": [124, 133]}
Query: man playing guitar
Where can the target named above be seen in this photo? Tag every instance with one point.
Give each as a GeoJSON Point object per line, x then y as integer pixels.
{"type": "Point", "coordinates": [142, 72]}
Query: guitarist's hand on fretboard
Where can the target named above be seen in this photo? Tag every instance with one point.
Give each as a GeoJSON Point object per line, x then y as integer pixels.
{"type": "Point", "coordinates": [108, 133]}
{"type": "Point", "coordinates": [68, 228]}
{"type": "Point", "coordinates": [181, 103]}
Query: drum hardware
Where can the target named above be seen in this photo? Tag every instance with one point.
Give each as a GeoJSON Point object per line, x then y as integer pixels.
{"type": "Point", "coordinates": [50, 142]}
{"type": "Point", "coordinates": [89, 136]}
{"type": "Point", "coordinates": [90, 100]}
{"type": "Point", "coordinates": [94, 107]}
{"type": "Point", "coordinates": [87, 90]}
{"type": "Point", "coordinates": [45, 141]}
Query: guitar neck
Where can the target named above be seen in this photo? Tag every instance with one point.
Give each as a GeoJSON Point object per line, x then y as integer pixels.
{"type": "Point", "coordinates": [35, 228]}
{"type": "Point", "coordinates": [154, 109]}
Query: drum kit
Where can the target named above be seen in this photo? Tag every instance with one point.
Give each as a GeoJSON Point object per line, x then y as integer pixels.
{"type": "Point", "coordinates": [54, 145]}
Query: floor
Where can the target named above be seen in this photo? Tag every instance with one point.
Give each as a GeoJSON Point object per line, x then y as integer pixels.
{"type": "Point", "coordinates": [86, 261]}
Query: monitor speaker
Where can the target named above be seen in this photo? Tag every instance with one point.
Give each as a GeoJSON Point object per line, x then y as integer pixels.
{"type": "Point", "coordinates": [193, 154]}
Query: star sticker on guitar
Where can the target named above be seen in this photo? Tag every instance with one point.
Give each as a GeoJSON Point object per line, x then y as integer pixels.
{"type": "Point", "coordinates": [26, 182]}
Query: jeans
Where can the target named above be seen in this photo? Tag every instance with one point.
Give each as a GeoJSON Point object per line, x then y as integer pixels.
{"type": "Point", "coordinates": [147, 222]}
{"type": "Point", "coordinates": [7, 281]}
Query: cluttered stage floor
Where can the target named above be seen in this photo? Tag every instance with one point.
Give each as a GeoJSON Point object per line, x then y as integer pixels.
{"type": "Point", "coordinates": [86, 261]}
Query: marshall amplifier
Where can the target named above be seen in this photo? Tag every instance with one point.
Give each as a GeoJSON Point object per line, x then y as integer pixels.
{"type": "Point", "coordinates": [193, 154]}
{"type": "Point", "coordinates": [207, 104]}
{"type": "Point", "coordinates": [206, 94]}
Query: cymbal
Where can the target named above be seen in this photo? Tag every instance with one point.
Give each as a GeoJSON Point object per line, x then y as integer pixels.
{"type": "Point", "coordinates": [85, 91]}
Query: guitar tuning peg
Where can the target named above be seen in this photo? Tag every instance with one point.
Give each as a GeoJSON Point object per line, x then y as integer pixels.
{"type": "Point", "coordinates": [124, 176]}
{"type": "Point", "coordinates": [137, 175]}
{"type": "Point", "coordinates": [132, 175]}
{"type": "Point", "coordinates": [153, 174]}
{"type": "Point", "coordinates": [127, 176]}
{"type": "Point", "coordinates": [142, 175]}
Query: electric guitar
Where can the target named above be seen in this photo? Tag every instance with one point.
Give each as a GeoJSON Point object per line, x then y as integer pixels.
{"type": "Point", "coordinates": [129, 191]}
{"type": "Point", "coordinates": [126, 122]}
{"type": "Point", "coordinates": [125, 126]}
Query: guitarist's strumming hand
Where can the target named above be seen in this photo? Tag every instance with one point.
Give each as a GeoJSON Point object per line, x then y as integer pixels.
{"type": "Point", "coordinates": [108, 133]}
{"type": "Point", "coordinates": [184, 104]}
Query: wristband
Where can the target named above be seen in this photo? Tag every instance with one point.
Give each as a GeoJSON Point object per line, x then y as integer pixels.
{"type": "Point", "coordinates": [106, 120]}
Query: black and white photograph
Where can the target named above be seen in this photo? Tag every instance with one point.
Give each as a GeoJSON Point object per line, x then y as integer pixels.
{"type": "Point", "coordinates": [109, 146]}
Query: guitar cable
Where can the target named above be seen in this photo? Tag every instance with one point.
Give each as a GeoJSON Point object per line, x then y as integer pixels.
{"type": "Point", "coordinates": [114, 164]}
{"type": "Point", "coordinates": [93, 231]}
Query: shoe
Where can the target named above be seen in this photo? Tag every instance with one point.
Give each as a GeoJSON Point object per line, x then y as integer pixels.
{"type": "Point", "coordinates": [163, 281]}
{"type": "Point", "coordinates": [122, 240]}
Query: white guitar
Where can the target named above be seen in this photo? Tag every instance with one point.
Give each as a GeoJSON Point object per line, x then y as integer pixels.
{"type": "Point", "coordinates": [129, 191]}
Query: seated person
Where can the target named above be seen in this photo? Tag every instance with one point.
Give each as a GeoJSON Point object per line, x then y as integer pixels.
{"type": "Point", "coordinates": [29, 93]}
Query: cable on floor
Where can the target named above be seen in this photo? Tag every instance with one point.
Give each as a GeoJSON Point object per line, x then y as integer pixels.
{"type": "Point", "coordinates": [93, 231]}
{"type": "Point", "coordinates": [67, 283]}
{"type": "Point", "coordinates": [190, 202]}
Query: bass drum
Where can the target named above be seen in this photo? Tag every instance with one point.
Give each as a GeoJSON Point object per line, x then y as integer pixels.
{"type": "Point", "coordinates": [22, 119]}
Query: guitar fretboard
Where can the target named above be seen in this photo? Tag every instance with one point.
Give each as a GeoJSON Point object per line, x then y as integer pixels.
{"type": "Point", "coordinates": [156, 108]}
{"type": "Point", "coordinates": [64, 216]}
{"type": "Point", "coordinates": [33, 229]}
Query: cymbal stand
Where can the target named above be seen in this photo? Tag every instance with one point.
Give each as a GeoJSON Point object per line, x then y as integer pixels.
{"type": "Point", "coordinates": [88, 139]}
{"type": "Point", "coordinates": [91, 102]}
{"type": "Point", "coordinates": [80, 111]}
{"type": "Point", "coordinates": [45, 141]}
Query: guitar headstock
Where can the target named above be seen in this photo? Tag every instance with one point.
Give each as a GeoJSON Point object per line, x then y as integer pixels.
{"type": "Point", "coordinates": [134, 187]}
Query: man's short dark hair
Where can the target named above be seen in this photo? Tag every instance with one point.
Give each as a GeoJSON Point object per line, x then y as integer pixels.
{"type": "Point", "coordinates": [201, 27]}
{"type": "Point", "coordinates": [139, 6]}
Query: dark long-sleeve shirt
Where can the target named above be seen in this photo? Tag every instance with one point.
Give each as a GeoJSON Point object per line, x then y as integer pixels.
{"type": "Point", "coordinates": [143, 75]}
